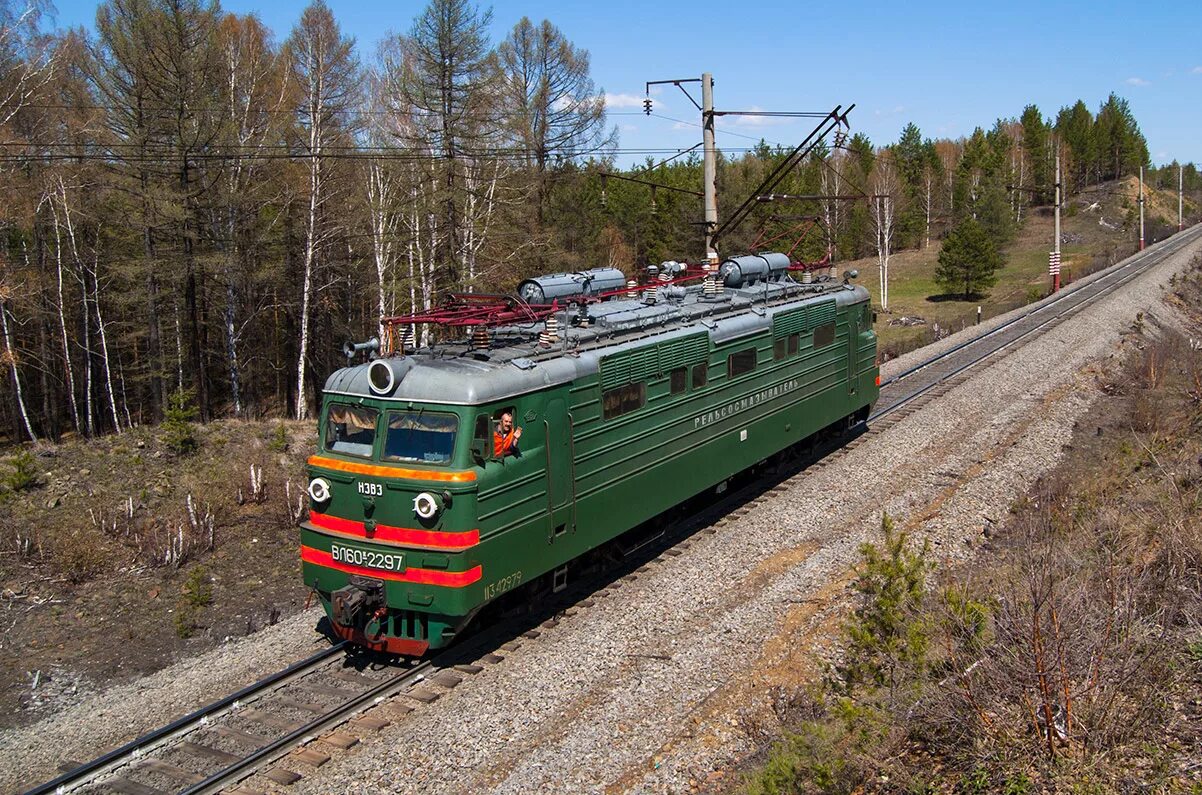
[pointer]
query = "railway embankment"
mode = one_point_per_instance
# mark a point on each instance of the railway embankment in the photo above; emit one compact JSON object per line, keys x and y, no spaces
{"x":675,"y":680}
{"x":684,"y":672}
{"x":1067,"y":654}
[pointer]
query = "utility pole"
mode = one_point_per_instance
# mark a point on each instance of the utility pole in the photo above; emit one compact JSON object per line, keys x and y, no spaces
{"x":710,"y":164}
{"x":710,"y":156}
{"x":1180,"y":196}
{"x":1141,"y":208}
{"x":1054,"y":264}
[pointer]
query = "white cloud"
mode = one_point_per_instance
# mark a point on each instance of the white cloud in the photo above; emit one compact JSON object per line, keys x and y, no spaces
{"x":758,"y":121}
{"x":894,"y":111}
{"x":1136,"y":81}
{"x":623,"y":101}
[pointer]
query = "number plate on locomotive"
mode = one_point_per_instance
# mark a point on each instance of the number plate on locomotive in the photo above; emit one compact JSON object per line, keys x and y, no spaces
{"x":368,"y":558}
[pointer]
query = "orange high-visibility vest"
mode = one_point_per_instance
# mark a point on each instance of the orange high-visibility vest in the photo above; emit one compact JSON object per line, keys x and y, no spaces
{"x":502,"y":444}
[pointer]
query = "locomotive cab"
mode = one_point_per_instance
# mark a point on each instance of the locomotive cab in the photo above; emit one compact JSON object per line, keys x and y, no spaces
{"x":391,"y":523}
{"x":393,"y":545}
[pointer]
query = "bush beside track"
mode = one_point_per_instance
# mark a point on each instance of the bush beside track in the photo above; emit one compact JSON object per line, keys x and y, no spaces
{"x":1068,"y":656}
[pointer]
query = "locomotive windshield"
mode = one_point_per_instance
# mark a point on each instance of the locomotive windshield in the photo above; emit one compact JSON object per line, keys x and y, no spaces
{"x":351,"y":430}
{"x":422,"y":436}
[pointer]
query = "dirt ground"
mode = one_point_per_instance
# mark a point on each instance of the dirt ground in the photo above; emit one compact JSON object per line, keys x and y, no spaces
{"x":107,"y":575}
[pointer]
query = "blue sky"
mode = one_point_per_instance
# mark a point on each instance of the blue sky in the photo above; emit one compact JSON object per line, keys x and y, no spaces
{"x":948,"y":67}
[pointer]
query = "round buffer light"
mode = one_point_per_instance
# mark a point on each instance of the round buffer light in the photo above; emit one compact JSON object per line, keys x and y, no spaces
{"x":380,"y":377}
{"x":427,"y":505}
{"x":319,"y":490}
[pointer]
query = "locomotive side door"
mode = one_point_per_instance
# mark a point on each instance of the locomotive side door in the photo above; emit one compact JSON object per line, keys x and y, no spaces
{"x":559,"y":463}
{"x":854,"y":313}
{"x":853,"y":348}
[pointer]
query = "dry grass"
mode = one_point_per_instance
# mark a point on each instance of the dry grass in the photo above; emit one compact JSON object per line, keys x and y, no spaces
{"x":1096,"y":237}
{"x":93,"y":549}
{"x":1068,"y":658}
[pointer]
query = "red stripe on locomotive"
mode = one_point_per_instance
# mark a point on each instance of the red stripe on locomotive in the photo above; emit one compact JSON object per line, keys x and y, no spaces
{"x":397,"y":535}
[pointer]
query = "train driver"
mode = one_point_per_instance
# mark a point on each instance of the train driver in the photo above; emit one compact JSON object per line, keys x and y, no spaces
{"x":505,"y":437}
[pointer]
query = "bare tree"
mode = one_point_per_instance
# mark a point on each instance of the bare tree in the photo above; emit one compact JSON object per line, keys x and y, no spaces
{"x":928,"y":199}
{"x":557,"y":111}
{"x":27,"y":64}
{"x":27,"y":58}
{"x":326,"y":74}
{"x":255,"y":99}
{"x":9,"y":356}
{"x":949,"y":154}
{"x":447,"y":79}
{"x":831,"y":182}
{"x":886,"y":190}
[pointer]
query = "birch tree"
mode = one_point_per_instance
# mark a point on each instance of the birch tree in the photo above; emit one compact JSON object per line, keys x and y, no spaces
{"x":326,"y":73}
{"x":27,"y":59}
{"x":417,"y":177}
{"x":930,"y":175}
{"x":831,"y":184}
{"x":886,"y":191}
{"x":9,"y":355}
{"x":27,"y":65}
{"x":256,"y":92}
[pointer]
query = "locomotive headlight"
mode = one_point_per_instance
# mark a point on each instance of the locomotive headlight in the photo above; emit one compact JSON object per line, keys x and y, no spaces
{"x":427,"y":505}
{"x":319,"y":490}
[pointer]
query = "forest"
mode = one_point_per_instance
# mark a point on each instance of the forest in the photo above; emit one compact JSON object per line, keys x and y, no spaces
{"x":199,"y":210}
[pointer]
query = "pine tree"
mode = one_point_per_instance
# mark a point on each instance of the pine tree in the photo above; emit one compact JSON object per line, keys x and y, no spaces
{"x":1037,"y":153}
{"x":969,"y":261}
{"x":1122,"y":147}
{"x":981,"y":179}
{"x":910,"y":153}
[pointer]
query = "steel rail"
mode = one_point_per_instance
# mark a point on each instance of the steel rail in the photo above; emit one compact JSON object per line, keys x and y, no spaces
{"x":136,"y":748}
{"x":1087,"y":293}
{"x":269,"y":753}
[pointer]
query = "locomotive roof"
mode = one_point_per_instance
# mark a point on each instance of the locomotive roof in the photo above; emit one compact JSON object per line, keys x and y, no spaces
{"x":515,"y":364}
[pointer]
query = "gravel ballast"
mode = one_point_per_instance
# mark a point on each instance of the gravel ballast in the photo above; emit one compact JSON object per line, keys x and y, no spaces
{"x":112,"y":717}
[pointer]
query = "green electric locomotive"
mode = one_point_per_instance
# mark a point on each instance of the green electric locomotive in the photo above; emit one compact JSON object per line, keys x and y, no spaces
{"x":450,"y":475}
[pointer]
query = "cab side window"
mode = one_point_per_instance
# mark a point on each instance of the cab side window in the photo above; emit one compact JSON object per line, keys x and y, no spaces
{"x":351,"y":430}
{"x":482,"y":443}
{"x":678,"y":380}
{"x":623,"y":400}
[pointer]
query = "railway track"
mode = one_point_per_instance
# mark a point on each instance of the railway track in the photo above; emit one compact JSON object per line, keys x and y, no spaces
{"x":937,"y":370}
{"x":222,"y":744}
